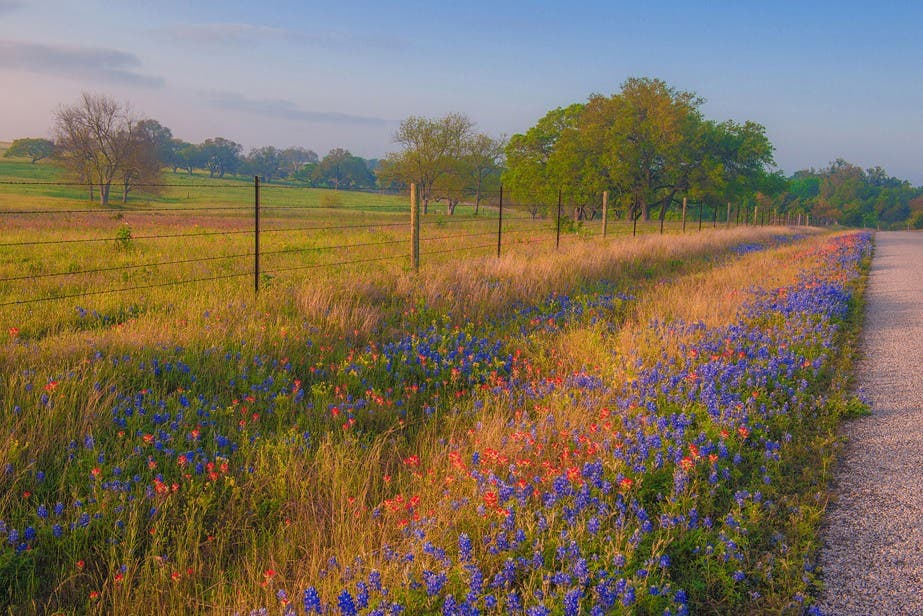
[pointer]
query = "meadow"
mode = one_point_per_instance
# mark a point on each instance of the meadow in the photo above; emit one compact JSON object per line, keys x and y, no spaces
{"x":624,"y":425}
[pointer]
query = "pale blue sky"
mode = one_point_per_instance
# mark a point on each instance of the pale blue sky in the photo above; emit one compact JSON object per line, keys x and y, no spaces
{"x":827,"y":79}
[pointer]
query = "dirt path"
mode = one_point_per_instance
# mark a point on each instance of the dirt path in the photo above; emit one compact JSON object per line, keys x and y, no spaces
{"x":872,"y":559}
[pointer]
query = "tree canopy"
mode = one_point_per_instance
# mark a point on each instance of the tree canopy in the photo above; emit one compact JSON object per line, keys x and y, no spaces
{"x":648,"y":145}
{"x":32,"y":148}
{"x":845,"y":193}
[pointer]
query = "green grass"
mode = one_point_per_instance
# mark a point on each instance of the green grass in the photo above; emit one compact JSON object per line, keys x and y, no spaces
{"x":262,"y":389}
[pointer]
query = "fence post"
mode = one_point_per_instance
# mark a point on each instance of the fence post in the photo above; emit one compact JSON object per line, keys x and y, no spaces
{"x":605,"y":212}
{"x":756,"y":210}
{"x":714,"y":217}
{"x":256,"y":234}
{"x":684,"y":214}
{"x":701,"y":207}
{"x":414,"y":228}
{"x":557,"y":241}
{"x":727,"y":223}
{"x":500,"y":223}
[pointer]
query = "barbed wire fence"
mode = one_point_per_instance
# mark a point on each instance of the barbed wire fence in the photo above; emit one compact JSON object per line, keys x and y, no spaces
{"x":502,"y":220}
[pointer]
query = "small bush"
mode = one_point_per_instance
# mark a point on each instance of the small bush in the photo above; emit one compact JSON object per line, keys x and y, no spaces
{"x":851,"y":407}
{"x":123,"y":238}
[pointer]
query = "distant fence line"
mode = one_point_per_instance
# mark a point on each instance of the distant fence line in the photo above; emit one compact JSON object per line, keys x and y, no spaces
{"x":500,"y":210}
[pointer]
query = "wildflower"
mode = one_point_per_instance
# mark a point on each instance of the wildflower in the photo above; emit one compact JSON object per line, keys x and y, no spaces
{"x":346,"y":604}
{"x":572,"y":602}
{"x":464,"y":547}
{"x":311,"y":601}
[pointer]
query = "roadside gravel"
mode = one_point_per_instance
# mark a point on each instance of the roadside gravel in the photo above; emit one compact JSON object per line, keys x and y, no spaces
{"x":872,"y":554}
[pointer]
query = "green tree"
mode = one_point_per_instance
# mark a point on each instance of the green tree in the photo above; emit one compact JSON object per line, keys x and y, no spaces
{"x":161,"y":138}
{"x":649,"y":148}
{"x":33,"y":148}
{"x":733,"y":163}
{"x":188,"y":156}
{"x":264,"y":162}
{"x":220,"y":156}
{"x":291,"y":160}
{"x":430,"y":149}
{"x":532,"y":174}
{"x":481,"y":164}
{"x":341,"y":169}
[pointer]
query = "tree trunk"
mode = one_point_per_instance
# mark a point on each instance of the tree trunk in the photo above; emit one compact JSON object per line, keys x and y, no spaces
{"x":477,"y":200}
{"x":104,"y":193}
{"x":663,"y":208}
{"x":125,"y":190}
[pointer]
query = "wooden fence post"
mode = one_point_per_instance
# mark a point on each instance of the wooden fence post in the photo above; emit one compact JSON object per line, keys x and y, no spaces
{"x":684,"y":214}
{"x":256,"y":234}
{"x":557,"y":241}
{"x":500,"y":222}
{"x":605,"y":212}
{"x":414,"y":228}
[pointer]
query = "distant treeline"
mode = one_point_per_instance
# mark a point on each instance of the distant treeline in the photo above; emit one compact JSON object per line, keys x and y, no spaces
{"x":648,"y":146}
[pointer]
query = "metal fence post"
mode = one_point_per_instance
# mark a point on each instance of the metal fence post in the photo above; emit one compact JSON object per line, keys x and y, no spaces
{"x":557,"y":242}
{"x":414,"y":228}
{"x":500,"y":223}
{"x":684,"y":214}
{"x":256,"y":234}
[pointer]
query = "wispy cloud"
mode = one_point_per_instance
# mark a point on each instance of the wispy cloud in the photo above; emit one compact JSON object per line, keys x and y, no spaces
{"x":107,"y":65}
{"x":286,"y":110}
{"x":243,"y":34}
{"x":8,"y":6}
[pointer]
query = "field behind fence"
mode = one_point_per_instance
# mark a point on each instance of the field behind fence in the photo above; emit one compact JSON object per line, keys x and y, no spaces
{"x":62,"y":255}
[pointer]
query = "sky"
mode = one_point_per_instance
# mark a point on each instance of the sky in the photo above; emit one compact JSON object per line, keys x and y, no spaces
{"x":827,"y":79}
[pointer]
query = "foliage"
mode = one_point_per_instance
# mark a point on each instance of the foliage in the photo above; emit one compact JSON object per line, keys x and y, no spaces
{"x":34,"y":149}
{"x":341,"y":169}
{"x":431,"y":149}
{"x":221,"y":156}
{"x":264,"y":162}
{"x":846,"y":194}
{"x":532,"y":173}
{"x":123,"y":238}
{"x":646,"y":145}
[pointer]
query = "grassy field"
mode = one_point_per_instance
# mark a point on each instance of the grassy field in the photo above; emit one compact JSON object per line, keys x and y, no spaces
{"x":628,"y":425}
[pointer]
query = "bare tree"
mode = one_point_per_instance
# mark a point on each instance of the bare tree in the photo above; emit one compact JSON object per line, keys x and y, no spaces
{"x":96,"y":139}
{"x":141,"y":165}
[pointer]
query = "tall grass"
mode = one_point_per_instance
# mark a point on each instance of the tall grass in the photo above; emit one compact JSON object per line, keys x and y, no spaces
{"x":213,"y":451}
{"x":269,"y":513}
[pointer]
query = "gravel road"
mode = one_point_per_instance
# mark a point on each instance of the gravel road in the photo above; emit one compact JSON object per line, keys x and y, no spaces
{"x":872,"y":554}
